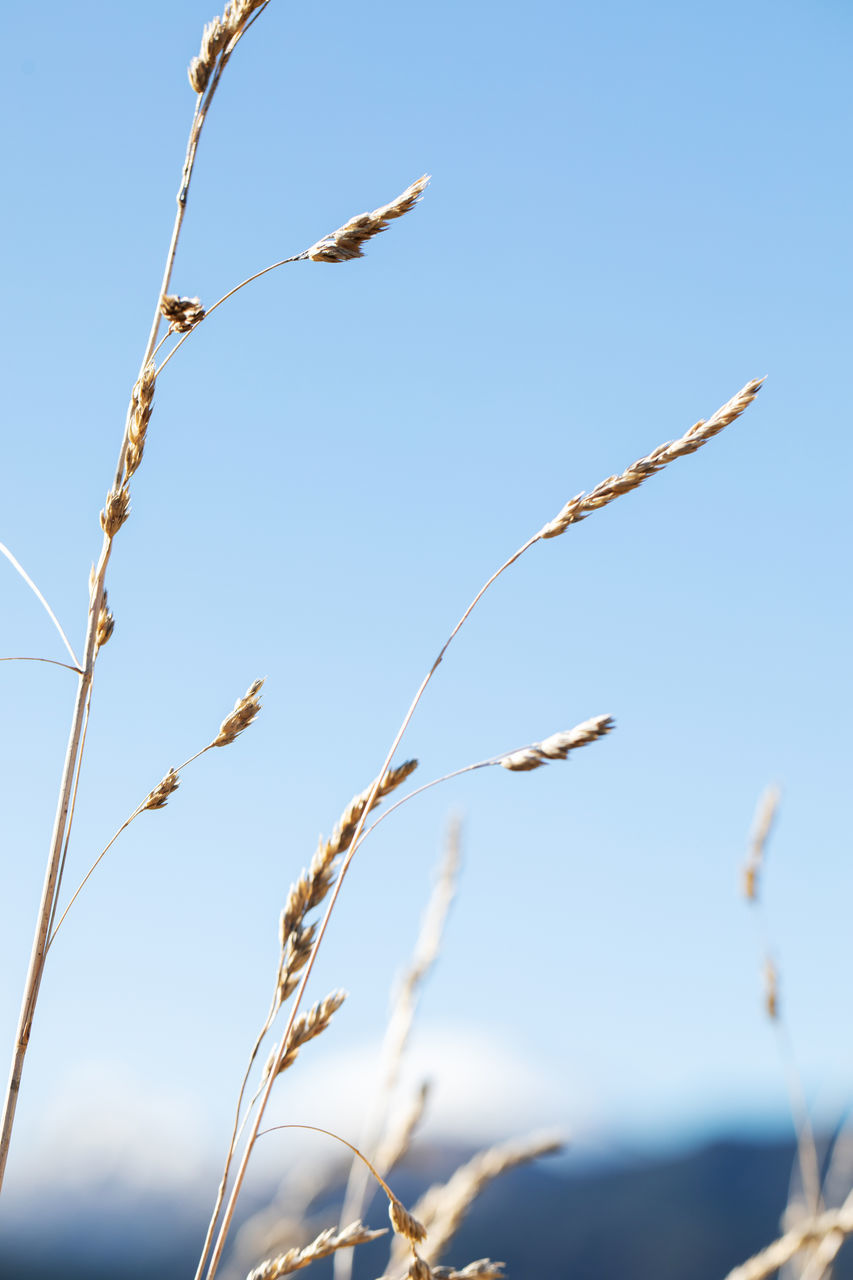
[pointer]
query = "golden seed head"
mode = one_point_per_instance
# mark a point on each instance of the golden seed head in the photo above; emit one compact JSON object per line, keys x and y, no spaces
{"x":419,"y":1270}
{"x":183,"y":314}
{"x":141,"y":406}
{"x":345,"y":243}
{"x":216,"y":36}
{"x":245,"y":711}
{"x":157,"y":798}
{"x":583,"y":504}
{"x":403,"y":1222}
{"x":558,"y":746}
{"x":116,"y":510}
{"x":308,"y":1025}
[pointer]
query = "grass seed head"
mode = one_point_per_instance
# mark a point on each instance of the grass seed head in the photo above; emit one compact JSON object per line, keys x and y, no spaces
{"x":157,"y":798}
{"x":558,"y":746}
{"x":183,"y":314}
{"x":116,"y":510}
{"x":404,"y":1223}
{"x":106,"y":623}
{"x":346,"y":243}
{"x":245,"y":711}
{"x":583,"y":504}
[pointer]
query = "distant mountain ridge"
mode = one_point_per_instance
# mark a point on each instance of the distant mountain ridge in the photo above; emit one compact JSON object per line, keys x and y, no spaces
{"x":690,"y":1216}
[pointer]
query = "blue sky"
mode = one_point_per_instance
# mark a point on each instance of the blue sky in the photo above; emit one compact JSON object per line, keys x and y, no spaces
{"x":634,"y":210}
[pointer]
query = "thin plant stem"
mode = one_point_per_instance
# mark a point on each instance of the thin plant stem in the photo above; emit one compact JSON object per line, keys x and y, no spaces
{"x":140,"y":808}
{"x":70,"y":818}
{"x":4,"y":550}
{"x":236,"y":1131}
{"x":53,"y":662}
{"x":298,"y":257}
{"x":315,"y":1128}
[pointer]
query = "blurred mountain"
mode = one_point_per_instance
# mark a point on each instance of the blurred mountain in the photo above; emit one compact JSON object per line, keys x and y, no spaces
{"x":692,"y":1215}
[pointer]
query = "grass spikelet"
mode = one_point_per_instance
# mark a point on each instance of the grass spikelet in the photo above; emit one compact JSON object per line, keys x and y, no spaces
{"x":578,"y":508}
{"x":558,"y":746}
{"x":245,"y":711}
{"x":116,"y":510}
{"x":345,"y":244}
{"x":141,"y":405}
{"x":217,"y":35}
{"x":183,"y":314}
{"x":158,"y":798}
{"x":106,"y":624}
{"x":308,"y":1025}
{"x":404,"y":1223}
{"x":325,"y":1244}
{"x":762,"y":825}
{"x":313,"y":885}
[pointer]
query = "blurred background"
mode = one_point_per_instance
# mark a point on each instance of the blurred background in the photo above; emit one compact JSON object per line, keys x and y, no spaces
{"x":633,"y":211}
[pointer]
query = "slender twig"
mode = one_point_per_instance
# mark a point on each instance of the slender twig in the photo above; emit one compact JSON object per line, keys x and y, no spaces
{"x":4,"y":550}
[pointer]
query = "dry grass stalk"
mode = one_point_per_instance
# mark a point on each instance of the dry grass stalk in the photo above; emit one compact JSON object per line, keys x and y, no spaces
{"x":239,"y":14}
{"x":139,"y":415}
{"x":325,"y":1244}
{"x":183,"y":314}
{"x":313,"y":885}
{"x":762,"y":825}
{"x":245,"y":711}
{"x":305,"y":1028}
{"x":297,"y":942}
{"x":442,"y":1208}
{"x":578,"y":508}
{"x":345,"y":243}
{"x":835,"y":1222}
{"x":558,"y":746}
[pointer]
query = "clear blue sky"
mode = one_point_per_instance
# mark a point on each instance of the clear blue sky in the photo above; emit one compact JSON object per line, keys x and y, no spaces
{"x":634,"y":210}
